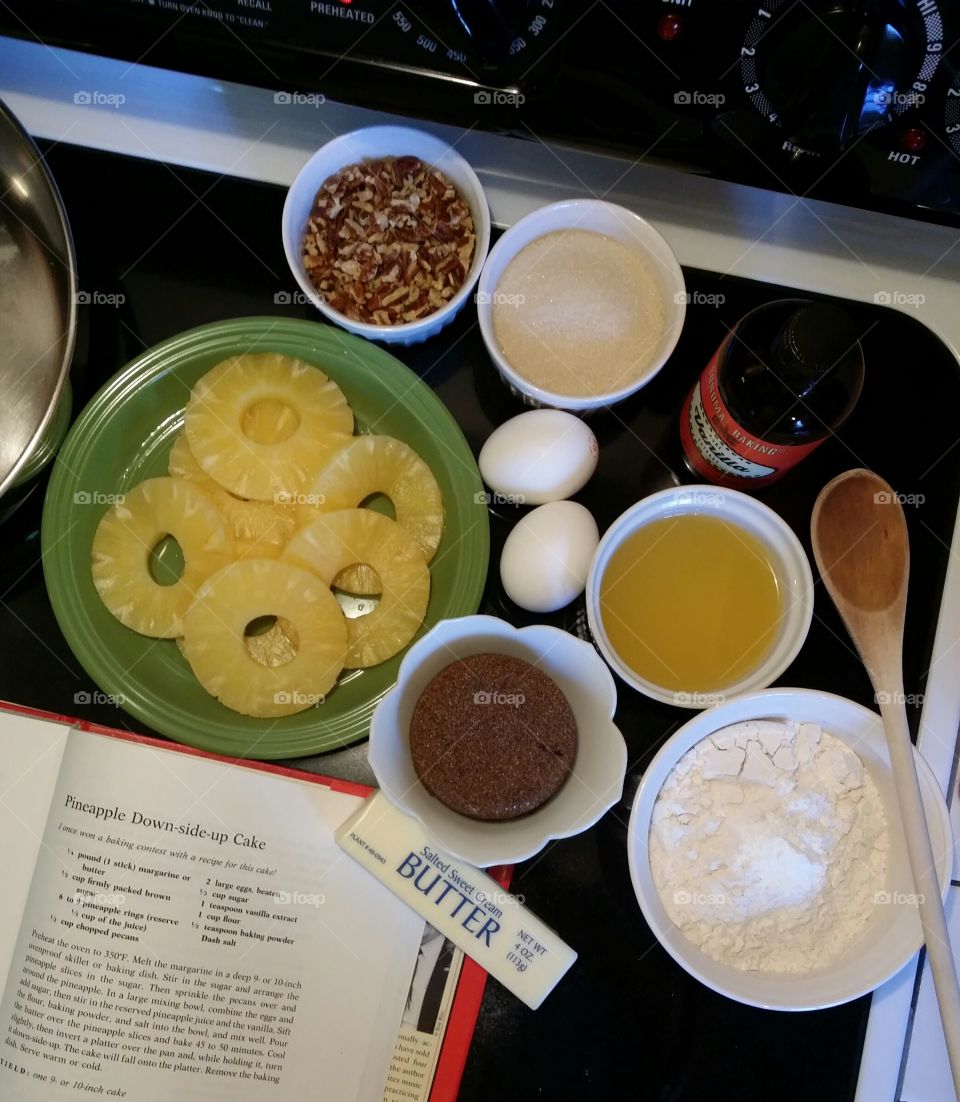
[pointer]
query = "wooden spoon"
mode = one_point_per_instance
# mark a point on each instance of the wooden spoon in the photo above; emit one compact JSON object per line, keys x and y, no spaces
{"x":862,"y":550}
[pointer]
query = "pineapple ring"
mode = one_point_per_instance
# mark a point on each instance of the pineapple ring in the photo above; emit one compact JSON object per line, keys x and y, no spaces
{"x":214,"y":642}
{"x":380,"y":464}
{"x":128,"y":533}
{"x":225,"y":416}
{"x":337,"y":540}
{"x":274,"y":647}
{"x":359,"y":580}
{"x":258,"y":549}
{"x":260,"y":528}
{"x":368,"y":465}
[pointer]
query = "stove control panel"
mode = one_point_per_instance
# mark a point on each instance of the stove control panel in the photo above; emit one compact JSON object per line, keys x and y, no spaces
{"x":857,"y":101}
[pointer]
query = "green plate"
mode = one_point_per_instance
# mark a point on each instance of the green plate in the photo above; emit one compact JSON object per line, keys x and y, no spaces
{"x":124,"y":436}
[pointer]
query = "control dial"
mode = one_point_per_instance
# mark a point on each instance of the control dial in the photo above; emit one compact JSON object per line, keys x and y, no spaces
{"x":500,"y":31}
{"x":827,"y":73}
{"x":951,"y":114}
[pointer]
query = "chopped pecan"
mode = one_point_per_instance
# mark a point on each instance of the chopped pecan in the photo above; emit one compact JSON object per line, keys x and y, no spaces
{"x":388,"y":241}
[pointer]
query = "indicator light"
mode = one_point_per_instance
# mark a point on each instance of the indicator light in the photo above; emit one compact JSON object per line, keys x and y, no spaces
{"x":913,"y":140}
{"x":669,"y":27}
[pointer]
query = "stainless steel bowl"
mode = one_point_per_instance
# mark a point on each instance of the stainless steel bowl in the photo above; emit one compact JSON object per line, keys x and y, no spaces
{"x":38,"y":286}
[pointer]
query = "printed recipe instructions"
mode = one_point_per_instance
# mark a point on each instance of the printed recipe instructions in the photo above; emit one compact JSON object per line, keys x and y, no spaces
{"x":192,"y":928}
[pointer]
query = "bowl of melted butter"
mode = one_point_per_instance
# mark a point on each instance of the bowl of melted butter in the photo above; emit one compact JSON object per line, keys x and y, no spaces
{"x":699,"y":593}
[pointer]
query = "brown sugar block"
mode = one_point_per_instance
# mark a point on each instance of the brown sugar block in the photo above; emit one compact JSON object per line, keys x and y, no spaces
{"x":492,"y":737}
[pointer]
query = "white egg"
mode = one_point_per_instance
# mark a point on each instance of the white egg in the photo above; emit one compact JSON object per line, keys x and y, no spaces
{"x":538,"y":456}
{"x":546,"y":558}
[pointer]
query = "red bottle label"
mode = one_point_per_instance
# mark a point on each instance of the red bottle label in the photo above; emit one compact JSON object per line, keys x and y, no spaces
{"x":719,"y":450}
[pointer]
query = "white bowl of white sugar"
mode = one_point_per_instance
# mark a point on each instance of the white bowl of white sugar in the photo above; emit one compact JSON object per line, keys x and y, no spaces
{"x":580,"y":304}
{"x":766,"y":852}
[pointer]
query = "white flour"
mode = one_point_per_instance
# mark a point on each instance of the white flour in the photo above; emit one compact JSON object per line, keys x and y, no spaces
{"x":768,"y":843}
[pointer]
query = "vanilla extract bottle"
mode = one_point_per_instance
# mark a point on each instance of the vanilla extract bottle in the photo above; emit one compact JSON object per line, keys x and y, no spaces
{"x":785,"y":377}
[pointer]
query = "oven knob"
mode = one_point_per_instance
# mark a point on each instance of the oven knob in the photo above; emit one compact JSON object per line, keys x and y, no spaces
{"x":500,"y":30}
{"x":827,"y":73}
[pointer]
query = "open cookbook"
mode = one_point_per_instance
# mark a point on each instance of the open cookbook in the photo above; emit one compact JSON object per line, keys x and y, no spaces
{"x":175,"y":923}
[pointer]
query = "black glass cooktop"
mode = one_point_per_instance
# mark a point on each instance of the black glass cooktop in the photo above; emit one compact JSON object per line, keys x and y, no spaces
{"x":162,"y":249}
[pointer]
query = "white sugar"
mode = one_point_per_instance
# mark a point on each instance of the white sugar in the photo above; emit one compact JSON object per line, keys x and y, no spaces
{"x":577,"y":312}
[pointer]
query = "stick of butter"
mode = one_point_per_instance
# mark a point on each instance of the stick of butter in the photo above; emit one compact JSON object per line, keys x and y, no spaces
{"x":462,"y":902}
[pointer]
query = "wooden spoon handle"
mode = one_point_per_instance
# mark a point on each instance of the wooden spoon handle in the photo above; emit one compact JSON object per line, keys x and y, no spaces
{"x":930,"y":902}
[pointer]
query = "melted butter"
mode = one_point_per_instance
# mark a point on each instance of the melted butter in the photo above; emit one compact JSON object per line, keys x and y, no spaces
{"x":691,"y":603}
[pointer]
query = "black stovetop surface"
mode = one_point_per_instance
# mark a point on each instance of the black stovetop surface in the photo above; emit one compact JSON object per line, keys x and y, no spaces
{"x":185,"y":248}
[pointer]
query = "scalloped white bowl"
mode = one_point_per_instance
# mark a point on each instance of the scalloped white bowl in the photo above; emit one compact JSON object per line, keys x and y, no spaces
{"x":595,"y":784}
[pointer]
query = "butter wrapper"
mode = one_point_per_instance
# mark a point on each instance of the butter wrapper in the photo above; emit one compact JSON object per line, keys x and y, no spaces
{"x":467,"y":906}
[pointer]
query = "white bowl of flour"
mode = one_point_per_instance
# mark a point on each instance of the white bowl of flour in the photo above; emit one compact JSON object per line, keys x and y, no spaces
{"x":767,"y":855}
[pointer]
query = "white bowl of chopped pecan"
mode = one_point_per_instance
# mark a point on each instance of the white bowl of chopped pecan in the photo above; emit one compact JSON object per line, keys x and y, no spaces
{"x":386,"y":230}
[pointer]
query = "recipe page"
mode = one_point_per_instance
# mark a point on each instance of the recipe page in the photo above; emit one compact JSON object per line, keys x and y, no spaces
{"x":193,"y":929}
{"x":30,"y":754}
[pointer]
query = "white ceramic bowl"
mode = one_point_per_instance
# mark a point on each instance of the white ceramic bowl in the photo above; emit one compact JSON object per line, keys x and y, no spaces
{"x":616,"y":222}
{"x":595,"y":784}
{"x":360,"y":145}
{"x":787,"y":557}
{"x":893,"y":935}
